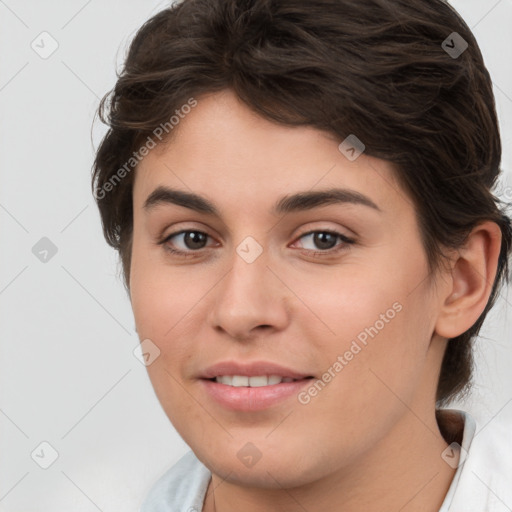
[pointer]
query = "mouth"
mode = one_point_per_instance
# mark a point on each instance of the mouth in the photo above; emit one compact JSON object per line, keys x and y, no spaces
{"x":247,"y":386}
{"x":255,"y":381}
{"x":244,"y":394}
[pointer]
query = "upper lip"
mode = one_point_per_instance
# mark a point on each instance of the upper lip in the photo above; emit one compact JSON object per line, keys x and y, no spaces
{"x":251,"y":369}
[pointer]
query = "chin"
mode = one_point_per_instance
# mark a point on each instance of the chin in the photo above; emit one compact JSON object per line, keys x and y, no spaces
{"x":274,"y":470}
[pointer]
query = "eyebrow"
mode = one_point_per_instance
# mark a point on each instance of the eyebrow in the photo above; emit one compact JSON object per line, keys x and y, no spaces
{"x":300,"y":201}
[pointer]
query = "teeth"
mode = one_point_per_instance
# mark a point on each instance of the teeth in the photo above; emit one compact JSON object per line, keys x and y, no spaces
{"x":274,"y":379}
{"x":253,"y":382}
{"x":239,"y":381}
{"x":256,"y":382}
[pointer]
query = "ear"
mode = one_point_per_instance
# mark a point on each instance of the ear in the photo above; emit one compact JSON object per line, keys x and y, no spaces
{"x":471,"y":280}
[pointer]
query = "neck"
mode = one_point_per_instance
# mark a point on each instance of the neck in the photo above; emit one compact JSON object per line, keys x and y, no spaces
{"x":403,"y":471}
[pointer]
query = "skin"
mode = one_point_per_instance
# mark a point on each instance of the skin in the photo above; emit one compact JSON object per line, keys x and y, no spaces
{"x":369,"y":440}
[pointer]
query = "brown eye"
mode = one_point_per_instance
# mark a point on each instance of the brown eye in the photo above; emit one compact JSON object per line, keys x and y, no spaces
{"x":187,"y":241}
{"x":194,"y":239}
{"x":325,"y":241}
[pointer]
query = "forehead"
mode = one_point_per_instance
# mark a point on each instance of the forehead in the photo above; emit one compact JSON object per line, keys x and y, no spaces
{"x":223,"y":150}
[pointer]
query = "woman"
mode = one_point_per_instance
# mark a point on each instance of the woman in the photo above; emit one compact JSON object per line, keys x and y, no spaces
{"x":301,"y":196}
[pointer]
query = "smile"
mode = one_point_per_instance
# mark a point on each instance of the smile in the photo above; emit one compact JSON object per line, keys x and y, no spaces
{"x":253,"y":381}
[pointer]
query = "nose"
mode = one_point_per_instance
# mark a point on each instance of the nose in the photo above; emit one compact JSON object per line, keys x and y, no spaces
{"x":250,"y":298}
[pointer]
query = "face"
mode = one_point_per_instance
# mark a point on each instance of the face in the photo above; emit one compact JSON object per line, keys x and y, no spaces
{"x":333,"y":292}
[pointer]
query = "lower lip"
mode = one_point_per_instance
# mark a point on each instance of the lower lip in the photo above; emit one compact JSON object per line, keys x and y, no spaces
{"x":252,"y":399}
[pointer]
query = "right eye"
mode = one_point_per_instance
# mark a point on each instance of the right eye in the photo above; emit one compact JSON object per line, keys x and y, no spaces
{"x":191,"y":241}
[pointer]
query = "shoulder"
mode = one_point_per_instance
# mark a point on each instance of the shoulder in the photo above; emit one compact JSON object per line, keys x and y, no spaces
{"x":182,"y":487}
{"x":485,"y":473}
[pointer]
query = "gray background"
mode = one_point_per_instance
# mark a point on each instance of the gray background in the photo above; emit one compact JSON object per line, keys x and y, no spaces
{"x":68,"y":374}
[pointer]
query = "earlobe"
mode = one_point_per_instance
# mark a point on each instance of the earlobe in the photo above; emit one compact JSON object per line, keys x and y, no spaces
{"x":471,"y":281}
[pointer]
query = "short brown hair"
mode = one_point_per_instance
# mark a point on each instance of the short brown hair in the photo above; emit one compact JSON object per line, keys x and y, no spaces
{"x":376,"y":69}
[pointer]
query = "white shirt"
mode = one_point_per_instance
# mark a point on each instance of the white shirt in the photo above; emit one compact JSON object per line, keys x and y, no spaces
{"x":482,"y":481}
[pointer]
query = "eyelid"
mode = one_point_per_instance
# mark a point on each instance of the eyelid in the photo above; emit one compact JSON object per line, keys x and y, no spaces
{"x":173,"y":234}
{"x":185,"y":229}
{"x":346,"y":241}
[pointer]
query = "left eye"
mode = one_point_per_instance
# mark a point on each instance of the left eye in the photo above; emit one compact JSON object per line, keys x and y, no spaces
{"x":325,"y":240}
{"x":193,"y":241}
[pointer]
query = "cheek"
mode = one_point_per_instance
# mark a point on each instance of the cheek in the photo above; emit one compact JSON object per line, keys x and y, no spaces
{"x":376,"y":336}
{"x":160,"y":295}
{"x":170,"y":309}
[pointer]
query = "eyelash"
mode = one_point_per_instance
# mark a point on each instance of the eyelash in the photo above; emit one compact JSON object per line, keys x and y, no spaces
{"x":327,"y":252}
